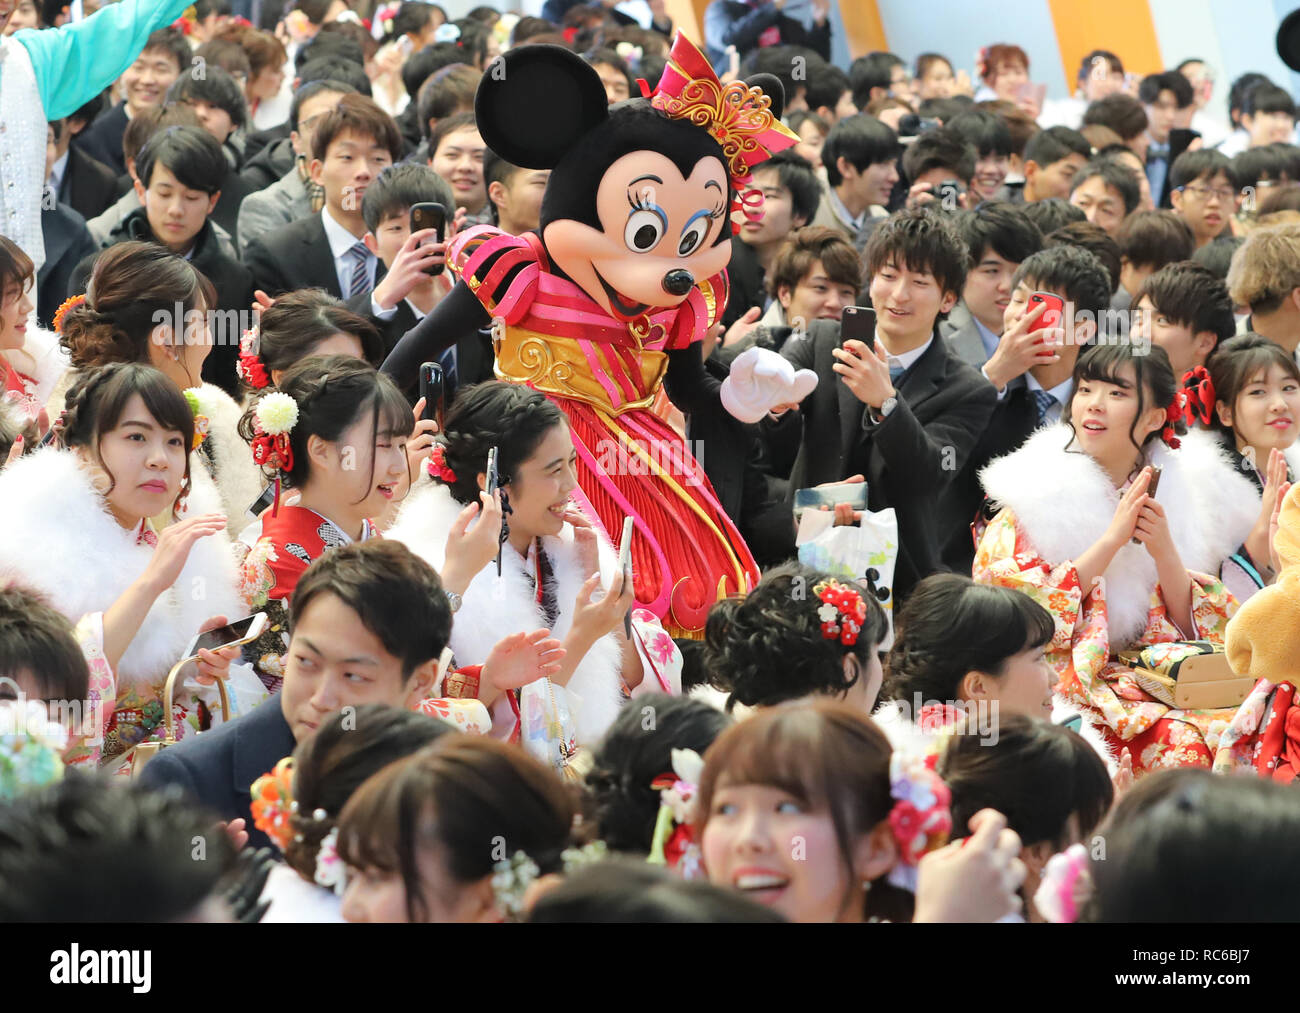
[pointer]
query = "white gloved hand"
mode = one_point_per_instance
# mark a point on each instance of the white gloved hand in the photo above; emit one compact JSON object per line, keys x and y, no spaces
{"x":760,"y":380}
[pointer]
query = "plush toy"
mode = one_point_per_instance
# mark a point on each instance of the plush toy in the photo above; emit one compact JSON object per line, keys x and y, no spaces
{"x":611,"y":298}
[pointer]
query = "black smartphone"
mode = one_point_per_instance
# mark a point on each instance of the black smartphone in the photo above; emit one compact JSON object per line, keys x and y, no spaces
{"x":432,"y":390}
{"x":429,"y":215}
{"x":858,"y":323}
{"x":493,"y":479}
{"x":948,"y":194}
{"x":1152,"y":486}
{"x":263,"y":502}
{"x":232,"y":634}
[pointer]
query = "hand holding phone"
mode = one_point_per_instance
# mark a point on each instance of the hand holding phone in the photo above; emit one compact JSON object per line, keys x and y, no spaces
{"x":491,"y":483}
{"x":430,"y":215}
{"x":1152,"y":486}
{"x":432,"y":392}
{"x":625,"y":567}
{"x":1052,"y":316}
{"x":236,"y":634}
{"x":858,"y":323}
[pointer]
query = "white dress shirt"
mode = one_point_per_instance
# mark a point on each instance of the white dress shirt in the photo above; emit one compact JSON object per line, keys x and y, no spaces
{"x":57,"y":171}
{"x":1061,"y":392}
{"x":341,"y":242}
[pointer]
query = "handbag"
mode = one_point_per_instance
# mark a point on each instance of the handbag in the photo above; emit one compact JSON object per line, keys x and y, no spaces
{"x":546,"y":728}
{"x":143,"y":752}
{"x":866,"y":553}
{"x":1188,"y":675}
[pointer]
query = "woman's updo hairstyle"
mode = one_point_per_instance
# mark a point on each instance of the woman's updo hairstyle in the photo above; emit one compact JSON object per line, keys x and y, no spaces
{"x":291,"y":328}
{"x":509,"y":416}
{"x":134,"y":287}
{"x":332,"y":392}
{"x":768,"y":647}
{"x":1152,"y":373}
{"x":338,"y":759}
{"x":98,"y":397}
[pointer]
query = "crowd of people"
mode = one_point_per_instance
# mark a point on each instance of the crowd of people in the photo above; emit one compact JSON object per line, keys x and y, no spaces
{"x":355,"y":320}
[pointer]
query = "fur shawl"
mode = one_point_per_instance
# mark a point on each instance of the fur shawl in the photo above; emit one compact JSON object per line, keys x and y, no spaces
{"x":51,"y":363}
{"x":494,"y":607}
{"x":58,"y":538}
{"x":1064,"y":501}
{"x":238,"y":480}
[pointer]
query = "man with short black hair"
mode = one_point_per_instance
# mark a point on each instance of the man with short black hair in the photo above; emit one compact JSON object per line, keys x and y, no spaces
{"x":1185,"y":310}
{"x":1052,"y":157}
{"x":1268,"y":115}
{"x":828,"y":92}
{"x":1203,"y":184}
{"x":1123,"y":114}
{"x":878,"y":75}
{"x":860,"y":155}
{"x":989,"y":137}
{"x":1148,"y":240}
{"x":514,"y":194}
{"x":1106,"y":192}
{"x":1163,"y":96}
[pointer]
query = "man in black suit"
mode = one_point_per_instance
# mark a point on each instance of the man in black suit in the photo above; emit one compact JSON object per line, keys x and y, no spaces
{"x":67,"y":243}
{"x":902,"y":411}
{"x":82,"y":183}
{"x":353,"y":144}
{"x":1164,"y":96}
{"x":1032,"y":372}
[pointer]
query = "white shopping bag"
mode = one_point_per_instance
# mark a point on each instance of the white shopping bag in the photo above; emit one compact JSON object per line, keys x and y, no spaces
{"x":849,"y":552}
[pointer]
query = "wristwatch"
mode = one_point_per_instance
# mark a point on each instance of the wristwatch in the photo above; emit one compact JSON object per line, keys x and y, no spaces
{"x":888,"y":405}
{"x":454,"y":599}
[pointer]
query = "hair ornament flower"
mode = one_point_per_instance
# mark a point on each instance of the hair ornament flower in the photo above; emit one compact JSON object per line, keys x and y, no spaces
{"x":1198,"y":396}
{"x":66,"y":307}
{"x":273,"y":419}
{"x":674,"y":844}
{"x":331,"y":873}
{"x":1064,"y":884}
{"x":202,"y":425}
{"x":842,"y":611}
{"x":437,"y":465}
{"x":513,"y":876}
{"x":31,"y":746}
{"x":920,"y":819}
{"x":249,"y":366}
{"x":273,"y":803}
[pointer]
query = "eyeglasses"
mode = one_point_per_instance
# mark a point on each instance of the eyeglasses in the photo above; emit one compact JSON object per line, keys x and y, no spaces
{"x":1204,"y":193}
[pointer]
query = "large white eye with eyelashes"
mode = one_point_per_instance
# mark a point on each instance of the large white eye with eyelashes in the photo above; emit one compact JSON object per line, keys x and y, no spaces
{"x":643,"y":231}
{"x":693,"y":236}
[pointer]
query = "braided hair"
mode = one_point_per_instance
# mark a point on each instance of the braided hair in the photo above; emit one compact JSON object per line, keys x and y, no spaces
{"x":768,"y":647}
{"x":97,"y":399}
{"x":513,"y":418}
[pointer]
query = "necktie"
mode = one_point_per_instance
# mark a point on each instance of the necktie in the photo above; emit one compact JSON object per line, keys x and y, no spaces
{"x":1157,"y":153}
{"x":360,"y":276}
{"x":1043,"y":401}
{"x":895,"y":372}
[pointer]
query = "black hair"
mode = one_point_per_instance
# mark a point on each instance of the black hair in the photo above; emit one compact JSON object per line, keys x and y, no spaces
{"x":1182,"y":67}
{"x":1191,"y":296}
{"x":141,"y":843}
{"x":636,"y":749}
{"x":1233,"y":365}
{"x":622,"y":892}
{"x":307,"y":89}
{"x":1239,"y":89}
{"x":171,"y":42}
{"x":397,"y":596}
{"x":1055,"y":144}
{"x":337,"y":71}
{"x":1122,"y":113}
{"x":98,"y":397}
{"x":1267,"y":97}
{"x":411,"y":19}
{"x":191,"y":154}
{"x":214,"y":86}
{"x":450,"y":125}
{"x":316,"y":10}
{"x":942,"y":148}
{"x":398,"y":187}
{"x":420,"y":66}
{"x":1097,"y":243}
{"x":335,"y":47}
{"x":1036,"y":774}
{"x":299,"y":321}
{"x":1118,"y":177}
{"x":444,"y":92}
{"x":984,"y":131}
{"x":875,"y":70}
{"x":768,"y":647}
{"x":926,"y":60}
{"x":38,"y":639}
{"x":1049,"y":215}
{"x":1154,"y":382}
{"x":1216,"y":256}
{"x":1203,"y":162}
{"x":1113,"y":63}
{"x":1171,"y":80}
{"x":944,"y":109}
{"x":1178,"y":827}
{"x":1266,"y":162}
{"x":780,"y":62}
{"x":826,"y":86}
{"x":951,"y":625}
{"x":332,"y":393}
{"x":1001,"y":227}
{"x":513,"y":418}
{"x":919,"y":239}
{"x":1153,"y":239}
{"x":609,"y":58}
{"x":795,"y":173}
{"x":348,"y":747}
{"x":862,"y":141}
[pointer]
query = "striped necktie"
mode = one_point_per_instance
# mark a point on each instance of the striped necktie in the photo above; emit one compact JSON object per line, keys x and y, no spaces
{"x":360,"y":275}
{"x":1043,"y":401}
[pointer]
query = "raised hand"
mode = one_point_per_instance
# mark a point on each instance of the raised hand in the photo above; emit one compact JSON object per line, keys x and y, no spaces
{"x":173,"y":549}
{"x":409,"y":268}
{"x":472,"y":544}
{"x":214,"y":665}
{"x":522,"y":658}
{"x":865,"y":371}
{"x":1020,"y":348}
{"x":974,"y":880}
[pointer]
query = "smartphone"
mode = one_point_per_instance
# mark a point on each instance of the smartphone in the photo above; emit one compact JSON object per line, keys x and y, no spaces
{"x":429,"y":215}
{"x":431,"y":389}
{"x":262,"y":503}
{"x":231,"y":635}
{"x":493,"y":481}
{"x":853,"y":493}
{"x":1052,"y":316}
{"x":858,"y":323}
{"x":625,"y":565}
{"x":1152,"y":486}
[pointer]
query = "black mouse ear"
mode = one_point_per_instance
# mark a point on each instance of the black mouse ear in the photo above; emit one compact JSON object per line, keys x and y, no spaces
{"x":771,"y":86}
{"x":535,"y":102}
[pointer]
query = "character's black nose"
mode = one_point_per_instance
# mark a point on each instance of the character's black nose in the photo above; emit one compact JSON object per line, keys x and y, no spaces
{"x":678,"y":282}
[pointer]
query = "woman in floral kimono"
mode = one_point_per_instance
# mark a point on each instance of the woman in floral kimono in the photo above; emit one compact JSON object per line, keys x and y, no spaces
{"x":553,"y":564}
{"x":1118,"y":568}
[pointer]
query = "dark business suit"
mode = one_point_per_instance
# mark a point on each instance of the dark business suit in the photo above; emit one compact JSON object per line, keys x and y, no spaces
{"x":88,"y":186}
{"x":102,"y":140}
{"x":217,"y":767}
{"x":296,"y":256}
{"x":1179,"y":141}
{"x":745,"y":276}
{"x":67,"y":243}
{"x":908,"y":458}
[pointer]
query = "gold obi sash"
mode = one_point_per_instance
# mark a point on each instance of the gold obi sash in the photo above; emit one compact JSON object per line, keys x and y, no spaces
{"x":561,"y":366}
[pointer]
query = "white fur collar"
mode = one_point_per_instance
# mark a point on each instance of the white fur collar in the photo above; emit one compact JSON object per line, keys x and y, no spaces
{"x":1064,"y":502}
{"x":50,"y":359}
{"x":238,"y":479}
{"x":496,"y":606}
{"x":57,"y":537}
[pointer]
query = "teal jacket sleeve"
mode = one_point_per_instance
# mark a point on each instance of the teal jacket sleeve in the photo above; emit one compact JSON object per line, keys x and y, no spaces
{"x":75,"y":63}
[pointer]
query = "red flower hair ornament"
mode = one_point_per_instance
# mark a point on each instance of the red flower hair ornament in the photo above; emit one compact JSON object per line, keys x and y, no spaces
{"x":842,"y":611}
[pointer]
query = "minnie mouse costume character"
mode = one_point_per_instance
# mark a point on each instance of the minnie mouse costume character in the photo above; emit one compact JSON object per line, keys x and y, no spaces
{"x":611,"y":298}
